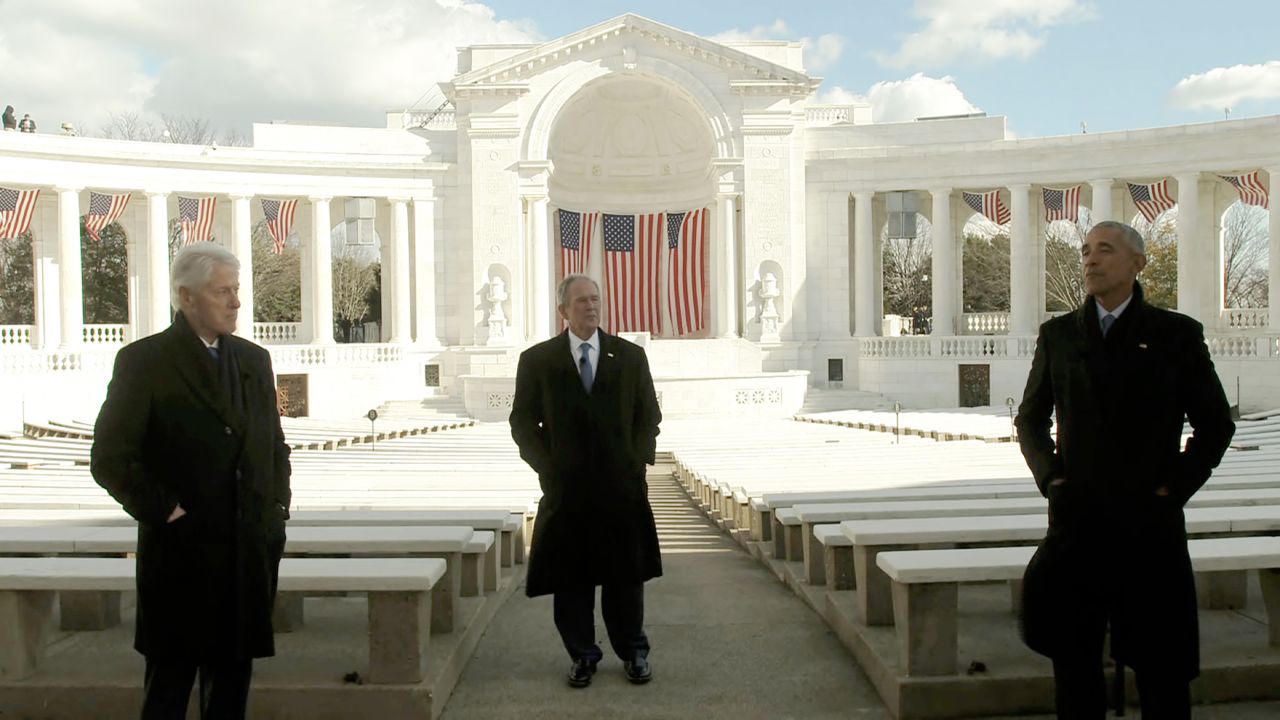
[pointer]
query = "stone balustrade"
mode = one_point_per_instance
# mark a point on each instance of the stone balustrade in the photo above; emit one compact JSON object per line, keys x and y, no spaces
{"x":1233,"y":319}
{"x":15,"y":335}
{"x":987,"y":323}
{"x":276,"y":333}
{"x":105,"y":334}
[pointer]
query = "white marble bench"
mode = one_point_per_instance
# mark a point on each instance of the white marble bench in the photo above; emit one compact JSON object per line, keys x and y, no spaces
{"x":926,"y":588}
{"x":95,"y":611}
{"x":399,"y":607}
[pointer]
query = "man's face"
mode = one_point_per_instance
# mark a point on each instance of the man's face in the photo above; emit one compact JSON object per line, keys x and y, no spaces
{"x":582,"y":308}
{"x":211,"y":310}
{"x":1110,"y":264}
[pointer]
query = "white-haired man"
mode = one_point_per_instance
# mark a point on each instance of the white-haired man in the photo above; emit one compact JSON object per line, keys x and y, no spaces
{"x":189,"y":442}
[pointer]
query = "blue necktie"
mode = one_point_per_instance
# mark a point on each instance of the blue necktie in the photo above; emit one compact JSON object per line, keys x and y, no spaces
{"x":584,"y":367}
{"x":1107,"y":321}
{"x":213,"y":352}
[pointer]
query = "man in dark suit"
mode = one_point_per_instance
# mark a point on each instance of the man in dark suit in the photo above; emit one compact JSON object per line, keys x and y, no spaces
{"x":189,"y":442}
{"x":585,"y":416}
{"x":1121,"y":376}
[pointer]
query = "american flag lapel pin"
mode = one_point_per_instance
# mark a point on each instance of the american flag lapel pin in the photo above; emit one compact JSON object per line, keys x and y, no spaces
{"x":1142,"y":346}
{"x":609,"y":354}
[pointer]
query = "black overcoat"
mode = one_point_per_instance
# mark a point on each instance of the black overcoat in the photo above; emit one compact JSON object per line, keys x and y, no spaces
{"x":178,"y":427}
{"x":594,"y":524}
{"x":1114,"y":547}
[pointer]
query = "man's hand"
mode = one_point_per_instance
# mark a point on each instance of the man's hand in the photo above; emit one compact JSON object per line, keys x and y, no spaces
{"x":177,"y":513}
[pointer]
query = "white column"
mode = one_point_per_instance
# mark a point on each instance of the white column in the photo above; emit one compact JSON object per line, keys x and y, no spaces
{"x":400,"y":298}
{"x":727,"y":298}
{"x":1273,"y":231}
{"x":1190,"y":292}
{"x":321,"y":270}
{"x":242,"y":248}
{"x":864,"y":264}
{"x":1023,"y":264}
{"x":540,"y":303}
{"x":944,"y":264}
{"x":424,"y":271}
{"x":158,"y":307}
{"x":1101,"y":209}
{"x":70,"y":280}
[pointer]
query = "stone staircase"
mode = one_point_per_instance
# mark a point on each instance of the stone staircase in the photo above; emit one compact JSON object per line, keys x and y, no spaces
{"x":818,"y":400}
{"x":432,"y":407}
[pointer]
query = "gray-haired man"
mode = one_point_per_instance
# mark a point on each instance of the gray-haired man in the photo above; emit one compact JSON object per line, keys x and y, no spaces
{"x":189,"y":442}
{"x":1121,"y":376}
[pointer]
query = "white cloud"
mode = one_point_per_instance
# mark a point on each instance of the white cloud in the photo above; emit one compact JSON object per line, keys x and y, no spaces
{"x":989,"y":30}
{"x":1227,"y":86}
{"x":236,"y":61}
{"x":901,"y":100}
{"x":820,"y":53}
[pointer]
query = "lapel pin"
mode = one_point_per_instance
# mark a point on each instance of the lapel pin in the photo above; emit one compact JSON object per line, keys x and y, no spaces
{"x":1142,"y":346}
{"x":609,"y":354}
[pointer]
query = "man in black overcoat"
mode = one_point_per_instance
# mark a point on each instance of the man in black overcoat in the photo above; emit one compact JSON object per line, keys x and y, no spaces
{"x":586,"y":417}
{"x":1121,"y":376}
{"x":189,"y":442}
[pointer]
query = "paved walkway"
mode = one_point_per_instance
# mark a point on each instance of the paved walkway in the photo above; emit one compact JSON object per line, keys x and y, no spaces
{"x":729,"y":641}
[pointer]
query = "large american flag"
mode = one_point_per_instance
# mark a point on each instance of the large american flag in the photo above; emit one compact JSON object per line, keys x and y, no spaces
{"x":196,"y":216}
{"x":1250,"y":187}
{"x":279,"y":217}
{"x":576,"y":232}
{"x":1152,"y":199}
{"x":16,"y":207}
{"x":631,"y":266}
{"x":989,"y":204}
{"x":687,"y":270}
{"x":1061,"y":204}
{"x":104,"y":209}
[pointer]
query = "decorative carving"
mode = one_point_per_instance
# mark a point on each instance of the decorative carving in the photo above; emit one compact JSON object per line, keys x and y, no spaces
{"x":494,"y":297}
{"x":501,"y":400}
{"x":768,"y":293}
{"x":758,"y":396}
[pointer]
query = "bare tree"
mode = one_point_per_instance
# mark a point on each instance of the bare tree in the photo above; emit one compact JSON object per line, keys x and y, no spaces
{"x":182,"y":129}
{"x":1245,"y":256}
{"x":1063,"y":267}
{"x":353,"y":278}
{"x":908,"y":263}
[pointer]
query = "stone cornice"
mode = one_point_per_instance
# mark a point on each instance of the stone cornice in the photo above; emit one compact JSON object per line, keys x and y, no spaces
{"x":556,"y":52}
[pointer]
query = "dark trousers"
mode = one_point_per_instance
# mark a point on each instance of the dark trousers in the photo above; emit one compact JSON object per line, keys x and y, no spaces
{"x":1080,"y":691}
{"x":623,"y":609}
{"x":224,"y":688}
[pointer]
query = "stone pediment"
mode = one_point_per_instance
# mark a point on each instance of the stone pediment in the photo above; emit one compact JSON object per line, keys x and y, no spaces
{"x":748,"y":73}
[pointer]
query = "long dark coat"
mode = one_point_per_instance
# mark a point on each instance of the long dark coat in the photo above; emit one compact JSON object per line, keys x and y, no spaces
{"x":178,"y":427}
{"x":594,"y":524}
{"x":1114,"y":547}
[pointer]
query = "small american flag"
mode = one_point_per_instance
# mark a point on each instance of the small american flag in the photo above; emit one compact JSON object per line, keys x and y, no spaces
{"x":631,"y":265}
{"x":1250,"y":187}
{"x":1061,"y":204}
{"x":687,"y":270}
{"x":576,"y":232}
{"x":16,"y":207}
{"x":989,"y":204}
{"x":279,"y":217}
{"x":1152,"y":199}
{"x":103,"y":210}
{"x":196,"y":216}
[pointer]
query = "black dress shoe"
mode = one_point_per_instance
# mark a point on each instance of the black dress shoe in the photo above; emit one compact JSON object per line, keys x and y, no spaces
{"x":638,"y":670}
{"x":581,"y":672}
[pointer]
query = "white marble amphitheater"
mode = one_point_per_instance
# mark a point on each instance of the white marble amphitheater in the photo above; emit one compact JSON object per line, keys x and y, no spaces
{"x":901,"y":551}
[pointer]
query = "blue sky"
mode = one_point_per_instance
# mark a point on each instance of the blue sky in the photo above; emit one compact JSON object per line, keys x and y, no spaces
{"x":1045,"y":64}
{"x":1112,"y":64}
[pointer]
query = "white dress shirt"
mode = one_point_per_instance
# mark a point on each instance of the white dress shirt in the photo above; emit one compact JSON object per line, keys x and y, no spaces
{"x":593,"y":356}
